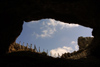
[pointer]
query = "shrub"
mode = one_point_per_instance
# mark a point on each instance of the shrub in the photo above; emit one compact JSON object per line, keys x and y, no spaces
{"x":44,"y":53}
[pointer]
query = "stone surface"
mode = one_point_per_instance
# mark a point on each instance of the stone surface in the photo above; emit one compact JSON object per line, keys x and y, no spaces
{"x":84,"y":42}
{"x":14,"y":12}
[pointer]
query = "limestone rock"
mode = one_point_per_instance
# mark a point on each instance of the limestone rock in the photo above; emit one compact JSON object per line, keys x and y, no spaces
{"x":84,"y":42}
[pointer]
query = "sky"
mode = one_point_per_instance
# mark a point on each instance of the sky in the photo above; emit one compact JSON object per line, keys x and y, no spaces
{"x":52,"y":35}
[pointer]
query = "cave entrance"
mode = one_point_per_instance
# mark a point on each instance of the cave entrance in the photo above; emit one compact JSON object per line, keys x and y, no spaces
{"x":54,"y":36}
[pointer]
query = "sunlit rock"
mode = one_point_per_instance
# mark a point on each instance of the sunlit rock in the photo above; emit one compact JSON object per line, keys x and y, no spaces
{"x":84,"y":42}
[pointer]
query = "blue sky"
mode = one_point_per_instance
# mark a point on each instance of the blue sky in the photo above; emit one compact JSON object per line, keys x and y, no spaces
{"x":54,"y":36}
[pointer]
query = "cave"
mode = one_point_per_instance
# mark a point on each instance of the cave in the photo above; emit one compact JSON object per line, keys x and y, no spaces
{"x":14,"y":12}
{"x":54,"y":36}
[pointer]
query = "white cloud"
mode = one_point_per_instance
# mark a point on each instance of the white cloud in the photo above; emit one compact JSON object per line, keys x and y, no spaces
{"x":52,"y":22}
{"x":49,"y":26}
{"x":73,"y":42}
{"x":61,"y":51}
{"x":61,"y":24}
{"x":92,"y":36}
{"x":46,"y":33}
{"x":76,"y":47}
{"x":66,"y":25}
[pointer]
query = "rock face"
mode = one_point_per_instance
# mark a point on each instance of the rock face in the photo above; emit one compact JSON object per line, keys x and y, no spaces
{"x":84,"y":42}
{"x":14,"y":12}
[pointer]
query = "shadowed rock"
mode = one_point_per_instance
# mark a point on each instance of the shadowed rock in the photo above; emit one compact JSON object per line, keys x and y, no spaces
{"x":84,"y":42}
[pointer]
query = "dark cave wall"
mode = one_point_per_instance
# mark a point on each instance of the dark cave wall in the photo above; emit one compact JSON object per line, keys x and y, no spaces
{"x":14,"y":12}
{"x":71,"y":11}
{"x":95,"y":45}
{"x":8,"y":35}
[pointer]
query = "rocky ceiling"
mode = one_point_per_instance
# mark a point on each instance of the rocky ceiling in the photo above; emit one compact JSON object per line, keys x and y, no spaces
{"x":14,"y":12}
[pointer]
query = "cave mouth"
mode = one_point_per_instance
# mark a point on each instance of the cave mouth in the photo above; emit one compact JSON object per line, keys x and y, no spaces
{"x":53,"y":36}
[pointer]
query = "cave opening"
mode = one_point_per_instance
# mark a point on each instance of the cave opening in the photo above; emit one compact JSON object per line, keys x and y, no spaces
{"x":53,"y":36}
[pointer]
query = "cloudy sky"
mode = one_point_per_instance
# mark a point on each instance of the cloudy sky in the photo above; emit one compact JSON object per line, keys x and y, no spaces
{"x":54,"y":36}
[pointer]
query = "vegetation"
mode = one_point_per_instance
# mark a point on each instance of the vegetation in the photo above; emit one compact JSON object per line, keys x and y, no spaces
{"x":25,"y":56}
{"x":75,"y":55}
{"x":15,"y":47}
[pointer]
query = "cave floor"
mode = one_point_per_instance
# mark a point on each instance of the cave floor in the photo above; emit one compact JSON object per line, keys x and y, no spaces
{"x":27,"y":59}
